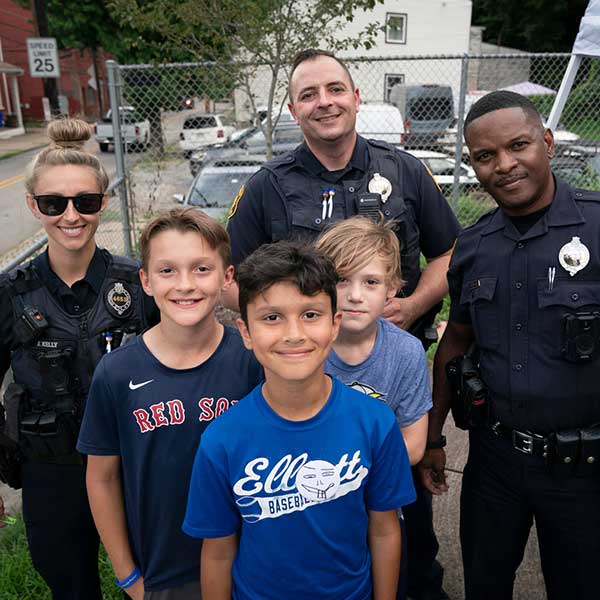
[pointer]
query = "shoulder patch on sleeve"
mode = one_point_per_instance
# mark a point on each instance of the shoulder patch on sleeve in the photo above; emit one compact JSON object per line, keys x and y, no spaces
{"x":432,"y":177}
{"x":235,"y":203}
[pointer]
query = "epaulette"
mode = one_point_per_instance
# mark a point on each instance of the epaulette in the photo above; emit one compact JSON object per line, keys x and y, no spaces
{"x":23,"y":279}
{"x":586,"y":195}
{"x":284,"y":159}
{"x":122,"y":267}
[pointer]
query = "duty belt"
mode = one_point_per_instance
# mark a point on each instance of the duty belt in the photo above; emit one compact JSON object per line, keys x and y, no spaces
{"x":523,"y":441}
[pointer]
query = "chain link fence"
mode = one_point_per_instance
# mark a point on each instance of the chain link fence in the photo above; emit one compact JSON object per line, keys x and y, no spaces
{"x":195,"y":132}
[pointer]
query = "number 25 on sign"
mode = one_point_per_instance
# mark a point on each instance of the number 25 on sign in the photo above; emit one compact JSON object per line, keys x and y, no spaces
{"x":43,"y":57}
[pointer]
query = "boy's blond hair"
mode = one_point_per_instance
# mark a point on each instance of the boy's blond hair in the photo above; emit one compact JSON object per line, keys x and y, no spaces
{"x":353,"y":243}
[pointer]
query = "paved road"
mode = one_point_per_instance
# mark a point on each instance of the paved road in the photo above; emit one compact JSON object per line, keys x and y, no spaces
{"x":17,"y":224}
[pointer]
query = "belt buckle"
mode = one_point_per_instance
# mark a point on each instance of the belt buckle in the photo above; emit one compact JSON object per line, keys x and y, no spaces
{"x":523,"y":442}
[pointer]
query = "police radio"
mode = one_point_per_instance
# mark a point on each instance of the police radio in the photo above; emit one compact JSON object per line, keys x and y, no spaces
{"x":30,"y":325}
{"x":369,"y":205}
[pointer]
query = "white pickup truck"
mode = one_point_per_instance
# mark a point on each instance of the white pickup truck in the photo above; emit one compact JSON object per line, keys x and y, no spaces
{"x":135,"y":131}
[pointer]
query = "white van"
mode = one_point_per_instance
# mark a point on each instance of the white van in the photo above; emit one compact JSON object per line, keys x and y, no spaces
{"x":380,"y":122}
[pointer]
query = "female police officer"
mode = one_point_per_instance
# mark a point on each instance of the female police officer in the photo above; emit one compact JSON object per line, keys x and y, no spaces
{"x":58,"y":316}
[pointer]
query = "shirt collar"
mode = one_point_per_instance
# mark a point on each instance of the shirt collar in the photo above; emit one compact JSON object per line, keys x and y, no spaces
{"x":94,"y":276}
{"x":359,"y":159}
{"x":563,"y":211}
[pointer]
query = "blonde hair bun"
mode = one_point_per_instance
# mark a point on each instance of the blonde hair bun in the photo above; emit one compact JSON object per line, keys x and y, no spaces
{"x":68,"y":133}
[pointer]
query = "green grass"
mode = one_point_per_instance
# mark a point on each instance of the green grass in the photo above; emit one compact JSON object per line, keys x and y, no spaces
{"x":20,"y":581}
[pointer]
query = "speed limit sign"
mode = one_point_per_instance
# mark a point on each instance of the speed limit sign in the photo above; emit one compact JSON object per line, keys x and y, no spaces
{"x":43,"y":57}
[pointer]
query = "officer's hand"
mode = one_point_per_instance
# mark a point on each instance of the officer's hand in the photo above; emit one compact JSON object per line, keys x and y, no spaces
{"x":402,"y":312}
{"x":431,"y":471}
{"x":136,"y":591}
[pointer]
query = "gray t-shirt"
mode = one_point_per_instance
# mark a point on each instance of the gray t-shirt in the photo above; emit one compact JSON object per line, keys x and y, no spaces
{"x":395,"y":371}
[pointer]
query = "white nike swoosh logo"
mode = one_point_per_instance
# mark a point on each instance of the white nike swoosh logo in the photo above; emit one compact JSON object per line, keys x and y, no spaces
{"x":135,"y":386}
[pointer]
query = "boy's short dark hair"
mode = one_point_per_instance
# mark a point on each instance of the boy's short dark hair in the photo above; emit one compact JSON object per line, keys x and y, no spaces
{"x":184,"y":220}
{"x":497,"y":101}
{"x":286,"y":261}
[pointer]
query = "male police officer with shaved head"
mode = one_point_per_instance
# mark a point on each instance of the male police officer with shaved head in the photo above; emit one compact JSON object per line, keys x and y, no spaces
{"x":336,"y":174}
{"x":525,"y":285}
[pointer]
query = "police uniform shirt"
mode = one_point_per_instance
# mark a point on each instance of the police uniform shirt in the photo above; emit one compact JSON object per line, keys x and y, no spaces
{"x":76,"y":299}
{"x":261,"y":205}
{"x":501,"y":284}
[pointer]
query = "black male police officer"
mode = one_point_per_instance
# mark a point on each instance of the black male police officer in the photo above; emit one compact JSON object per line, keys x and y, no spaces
{"x":336,"y":174}
{"x":525,"y":284}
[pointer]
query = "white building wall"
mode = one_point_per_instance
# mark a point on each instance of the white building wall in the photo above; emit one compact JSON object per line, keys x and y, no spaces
{"x":432,"y":27}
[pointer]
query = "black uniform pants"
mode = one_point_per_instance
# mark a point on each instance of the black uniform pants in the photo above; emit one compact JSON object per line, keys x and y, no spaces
{"x":424,"y":572}
{"x":503,"y":491}
{"x":63,"y":541}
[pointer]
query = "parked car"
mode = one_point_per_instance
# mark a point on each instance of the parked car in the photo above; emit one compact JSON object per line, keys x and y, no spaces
{"x":428,"y":112}
{"x":204,"y":130}
{"x":380,"y":121}
{"x":135,"y":131}
{"x":252,"y":142}
{"x":442,"y":168}
{"x":219,"y":182}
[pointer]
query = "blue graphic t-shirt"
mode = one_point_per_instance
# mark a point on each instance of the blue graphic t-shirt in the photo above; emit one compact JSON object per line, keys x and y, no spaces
{"x":299,"y":492}
{"x":395,"y":372}
{"x":153,"y":416}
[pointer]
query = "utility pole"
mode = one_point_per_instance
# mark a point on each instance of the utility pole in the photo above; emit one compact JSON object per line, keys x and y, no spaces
{"x":39,"y":9}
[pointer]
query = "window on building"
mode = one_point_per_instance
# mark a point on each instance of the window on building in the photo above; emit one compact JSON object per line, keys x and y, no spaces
{"x":395,"y":28}
{"x":390,"y":82}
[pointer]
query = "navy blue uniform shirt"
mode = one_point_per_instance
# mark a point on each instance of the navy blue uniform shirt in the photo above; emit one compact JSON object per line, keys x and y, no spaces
{"x":499,"y":284}
{"x":263,"y":213}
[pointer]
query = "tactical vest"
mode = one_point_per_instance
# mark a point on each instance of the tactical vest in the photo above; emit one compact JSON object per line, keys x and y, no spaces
{"x":303,"y":194}
{"x":54,"y":353}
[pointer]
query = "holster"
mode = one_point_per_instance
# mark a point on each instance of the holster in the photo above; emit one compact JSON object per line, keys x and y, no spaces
{"x":10,"y":456}
{"x":470,"y":404}
{"x":10,"y":464}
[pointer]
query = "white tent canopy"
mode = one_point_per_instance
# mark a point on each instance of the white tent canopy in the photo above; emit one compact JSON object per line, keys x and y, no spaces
{"x":528,"y":88}
{"x":587,"y":41}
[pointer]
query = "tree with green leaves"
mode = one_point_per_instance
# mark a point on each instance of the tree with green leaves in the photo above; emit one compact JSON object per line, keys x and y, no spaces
{"x":532,"y":25}
{"x":243,"y":38}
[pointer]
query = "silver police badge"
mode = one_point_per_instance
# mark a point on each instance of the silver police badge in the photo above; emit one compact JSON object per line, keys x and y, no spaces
{"x":574,"y":256}
{"x":380,"y":185}
{"x":119,"y":298}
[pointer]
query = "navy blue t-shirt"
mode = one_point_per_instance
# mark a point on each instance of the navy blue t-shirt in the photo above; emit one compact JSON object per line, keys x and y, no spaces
{"x":152,"y":416}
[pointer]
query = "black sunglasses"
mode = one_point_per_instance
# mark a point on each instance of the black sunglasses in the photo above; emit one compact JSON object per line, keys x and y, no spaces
{"x":53,"y":205}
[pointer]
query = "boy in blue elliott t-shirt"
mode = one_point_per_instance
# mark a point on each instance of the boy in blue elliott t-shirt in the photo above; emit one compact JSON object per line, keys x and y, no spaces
{"x":304,"y":506}
{"x":150,"y":402}
{"x":371,"y":354}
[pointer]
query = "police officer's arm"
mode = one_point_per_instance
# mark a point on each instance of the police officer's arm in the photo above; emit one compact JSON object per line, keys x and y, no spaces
{"x":432,"y":287}
{"x":103,"y":480}
{"x":247,"y":225}
{"x":438,"y":230}
{"x":456,"y":340}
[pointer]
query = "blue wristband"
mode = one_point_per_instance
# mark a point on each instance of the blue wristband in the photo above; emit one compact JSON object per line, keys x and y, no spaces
{"x":128,"y":581}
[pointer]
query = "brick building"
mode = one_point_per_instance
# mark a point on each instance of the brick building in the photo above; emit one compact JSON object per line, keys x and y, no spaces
{"x":77,"y":85}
